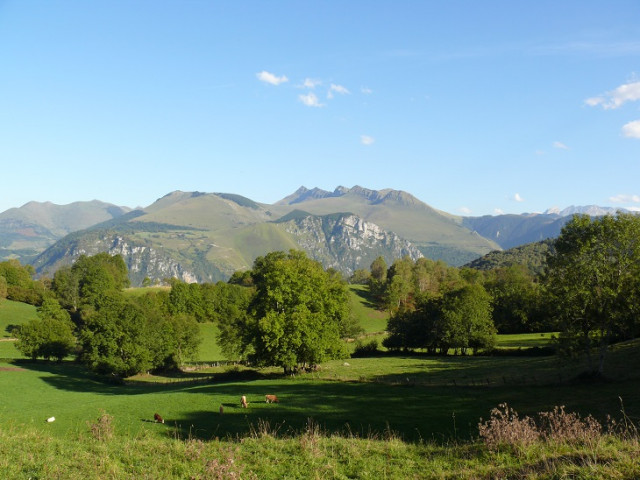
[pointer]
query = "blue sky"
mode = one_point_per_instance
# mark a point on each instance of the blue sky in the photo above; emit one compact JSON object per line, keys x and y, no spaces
{"x":473,"y":107}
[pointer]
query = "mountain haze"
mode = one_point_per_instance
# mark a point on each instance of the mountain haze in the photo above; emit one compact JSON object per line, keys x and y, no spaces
{"x":26,"y":231}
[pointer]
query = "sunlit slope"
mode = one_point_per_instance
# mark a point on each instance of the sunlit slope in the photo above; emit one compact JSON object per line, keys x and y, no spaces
{"x":211,"y":212}
{"x":432,"y":231}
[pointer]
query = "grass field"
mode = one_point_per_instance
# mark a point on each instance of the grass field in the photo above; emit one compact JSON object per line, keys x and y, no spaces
{"x":416,"y":395}
{"x":371,"y":320}
{"x":389,"y":416}
{"x":12,"y":313}
{"x":360,"y":395}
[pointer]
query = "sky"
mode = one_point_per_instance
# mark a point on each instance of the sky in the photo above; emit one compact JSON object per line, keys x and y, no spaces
{"x":476,"y":108}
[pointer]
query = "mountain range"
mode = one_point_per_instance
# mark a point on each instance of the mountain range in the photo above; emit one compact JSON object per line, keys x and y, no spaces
{"x":197,"y":236}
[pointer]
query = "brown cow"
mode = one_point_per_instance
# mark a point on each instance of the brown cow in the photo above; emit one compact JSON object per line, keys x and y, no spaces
{"x":271,"y":399}
{"x":243,"y":401}
{"x":221,"y":409}
{"x":158,"y":418}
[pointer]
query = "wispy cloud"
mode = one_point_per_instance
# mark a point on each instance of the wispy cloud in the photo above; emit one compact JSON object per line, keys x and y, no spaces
{"x":367,"y":140}
{"x":625,"y":198}
{"x":560,"y":145}
{"x":366,"y":90}
{"x":631,"y":129}
{"x":337,"y":89}
{"x":629,"y":92}
{"x":310,"y":100}
{"x":517,"y":198}
{"x":498,"y":211}
{"x":311,"y":83}
{"x":465,"y":210}
{"x":271,"y":78}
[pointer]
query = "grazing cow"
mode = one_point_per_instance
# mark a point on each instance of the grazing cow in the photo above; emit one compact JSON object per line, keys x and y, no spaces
{"x":271,"y":399}
{"x":158,"y":418}
{"x":221,"y":409}
{"x":243,"y":401}
{"x":51,"y":419}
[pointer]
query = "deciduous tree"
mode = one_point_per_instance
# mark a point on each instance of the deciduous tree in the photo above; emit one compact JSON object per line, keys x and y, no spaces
{"x":593,"y":277}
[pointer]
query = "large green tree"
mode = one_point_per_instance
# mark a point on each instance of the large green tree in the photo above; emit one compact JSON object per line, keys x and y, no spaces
{"x":297,"y":314}
{"x":593,"y":278}
{"x":49,"y":336}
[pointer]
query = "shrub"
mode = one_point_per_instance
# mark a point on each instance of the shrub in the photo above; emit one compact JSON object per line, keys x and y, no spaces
{"x":366,"y":349}
{"x":561,"y":426}
{"x":505,"y":428}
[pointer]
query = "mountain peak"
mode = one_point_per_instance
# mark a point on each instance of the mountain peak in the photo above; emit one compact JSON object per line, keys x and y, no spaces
{"x":592,"y":210}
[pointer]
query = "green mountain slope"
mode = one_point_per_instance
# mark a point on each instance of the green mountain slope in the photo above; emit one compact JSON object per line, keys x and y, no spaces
{"x":206,"y":237}
{"x":438,"y":235}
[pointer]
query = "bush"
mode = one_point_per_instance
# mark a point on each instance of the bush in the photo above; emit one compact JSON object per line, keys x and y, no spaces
{"x":505,"y":428}
{"x":368,"y":349}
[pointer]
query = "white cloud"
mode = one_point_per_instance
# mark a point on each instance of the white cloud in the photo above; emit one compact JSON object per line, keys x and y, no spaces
{"x":623,"y":198}
{"x":631,"y":129}
{"x":367,"y":140}
{"x":629,"y":92}
{"x":366,"y":90}
{"x":271,"y":78}
{"x":560,"y":145}
{"x":311,"y":83}
{"x":339,"y":89}
{"x":517,"y":198}
{"x":498,"y":211}
{"x":310,"y":100}
{"x":465,"y":210}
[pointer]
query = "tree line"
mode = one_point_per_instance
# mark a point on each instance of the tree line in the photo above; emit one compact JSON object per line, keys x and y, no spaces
{"x":588,"y":290}
{"x":289,"y":312}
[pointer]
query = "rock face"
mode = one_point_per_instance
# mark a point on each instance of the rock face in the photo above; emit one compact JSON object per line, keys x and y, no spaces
{"x":346,"y":242}
{"x":141,"y":260}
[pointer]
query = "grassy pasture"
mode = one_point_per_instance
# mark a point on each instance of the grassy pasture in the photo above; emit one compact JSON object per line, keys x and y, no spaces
{"x":13,"y":313}
{"x":371,"y":320}
{"x":418,"y":396}
{"x":367,"y":395}
{"x":525,"y":340}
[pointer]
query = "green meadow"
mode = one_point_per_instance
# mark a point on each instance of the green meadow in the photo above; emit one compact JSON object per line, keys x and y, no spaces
{"x":414,"y":410}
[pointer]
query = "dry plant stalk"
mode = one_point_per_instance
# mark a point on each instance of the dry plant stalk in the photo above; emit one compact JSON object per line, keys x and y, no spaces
{"x":102,"y":428}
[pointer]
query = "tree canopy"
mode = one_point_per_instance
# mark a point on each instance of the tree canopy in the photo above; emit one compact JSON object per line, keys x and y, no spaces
{"x":594,"y":279}
{"x":297,"y":314}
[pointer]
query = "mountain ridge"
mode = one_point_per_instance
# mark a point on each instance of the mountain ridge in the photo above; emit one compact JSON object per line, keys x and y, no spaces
{"x":205,"y":236}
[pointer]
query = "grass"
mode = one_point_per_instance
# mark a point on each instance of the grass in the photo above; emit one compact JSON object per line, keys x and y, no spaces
{"x":401,"y":416}
{"x":311,"y":454}
{"x":418,"y":397}
{"x":363,"y":307}
{"x":525,"y":340}
{"x":11,"y":314}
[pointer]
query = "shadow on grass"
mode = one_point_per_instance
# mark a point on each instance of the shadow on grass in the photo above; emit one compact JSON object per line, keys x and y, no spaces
{"x":367,"y":297}
{"x":349,"y":409}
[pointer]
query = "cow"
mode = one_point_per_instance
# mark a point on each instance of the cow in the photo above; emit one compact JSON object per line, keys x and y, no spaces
{"x":243,"y":401}
{"x":51,"y":419}
{"x":221,"y":409}
{"x":158,"y":418}
{"x":271,"y":399}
